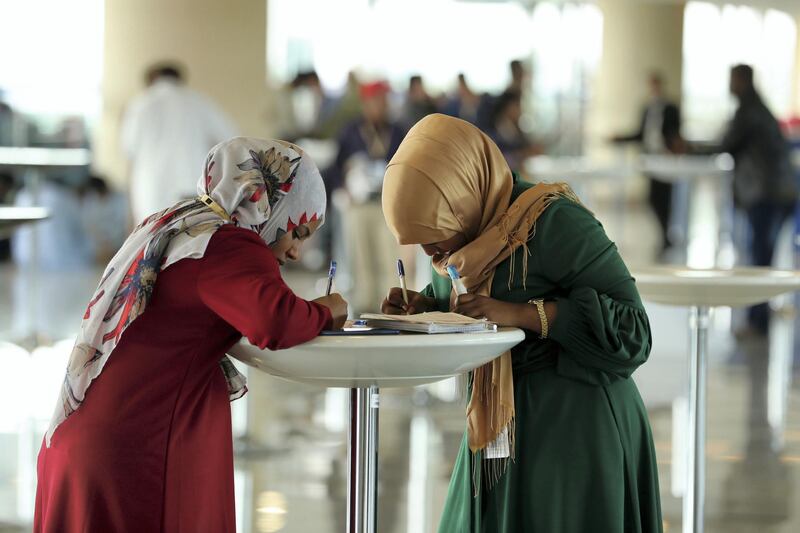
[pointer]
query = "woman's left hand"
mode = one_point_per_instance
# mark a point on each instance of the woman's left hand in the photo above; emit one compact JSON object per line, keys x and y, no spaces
{"x":497,"y":311}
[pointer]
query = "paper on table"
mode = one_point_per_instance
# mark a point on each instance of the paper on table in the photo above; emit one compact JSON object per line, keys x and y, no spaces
{"x":435,"y":322}
{"x":434,"y":317}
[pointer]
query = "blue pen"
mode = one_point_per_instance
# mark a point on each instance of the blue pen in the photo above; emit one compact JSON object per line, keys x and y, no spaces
{"x":401,"y":272}
{"x":455,"y":277}
{"x":331,"y":274}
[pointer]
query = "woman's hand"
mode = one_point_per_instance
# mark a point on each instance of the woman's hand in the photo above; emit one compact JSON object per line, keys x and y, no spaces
{"x":516,"y":315}
{"x":338,"y":308}
{"x":497,"y":311}
{"x":417,"y":303}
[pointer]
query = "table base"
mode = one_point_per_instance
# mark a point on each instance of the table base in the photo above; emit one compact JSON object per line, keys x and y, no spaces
{"x":694,"y":495}
{"x":362,"y":459}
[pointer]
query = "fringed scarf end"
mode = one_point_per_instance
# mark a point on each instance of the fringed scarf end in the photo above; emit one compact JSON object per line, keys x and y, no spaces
{"x":491,"y":469}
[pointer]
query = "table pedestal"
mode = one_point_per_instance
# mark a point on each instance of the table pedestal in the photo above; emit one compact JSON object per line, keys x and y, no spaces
{"x":362,"y":449}
{"x":364,"y":363}
{"x":694,"y":495}
{"x":701,"y":290}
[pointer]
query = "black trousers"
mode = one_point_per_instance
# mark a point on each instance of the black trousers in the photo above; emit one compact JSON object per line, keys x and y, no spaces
{"x":766,"y":220}
{"x":660,"y":198}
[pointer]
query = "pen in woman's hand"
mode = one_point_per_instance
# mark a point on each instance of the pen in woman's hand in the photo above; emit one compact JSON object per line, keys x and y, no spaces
{"x":455,"y":277}
{"x":331,"y":274}
{"x":401,"y":272}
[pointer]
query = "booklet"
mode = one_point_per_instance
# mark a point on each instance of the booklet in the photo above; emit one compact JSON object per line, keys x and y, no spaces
{"x":434,"y":322}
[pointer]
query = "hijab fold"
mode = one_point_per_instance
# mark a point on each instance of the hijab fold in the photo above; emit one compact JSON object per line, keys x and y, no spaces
{"x":268,"y":187}
{"x":447,"y":178}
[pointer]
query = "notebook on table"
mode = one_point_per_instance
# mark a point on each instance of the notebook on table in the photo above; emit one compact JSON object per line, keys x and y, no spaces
{"x":434,"y":322}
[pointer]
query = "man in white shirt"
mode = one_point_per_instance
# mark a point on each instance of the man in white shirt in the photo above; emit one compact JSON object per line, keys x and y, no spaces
{"x":166,"y":133}
{"x":659,"y":133}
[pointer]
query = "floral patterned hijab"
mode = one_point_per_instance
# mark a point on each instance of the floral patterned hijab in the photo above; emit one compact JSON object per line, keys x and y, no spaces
{"x":269,"y":187}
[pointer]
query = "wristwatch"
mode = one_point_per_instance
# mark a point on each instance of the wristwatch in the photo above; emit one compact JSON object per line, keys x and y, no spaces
{"x":539,"y":303}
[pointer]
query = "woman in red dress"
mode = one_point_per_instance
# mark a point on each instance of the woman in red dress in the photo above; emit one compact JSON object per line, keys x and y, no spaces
{"x":147,"y":447}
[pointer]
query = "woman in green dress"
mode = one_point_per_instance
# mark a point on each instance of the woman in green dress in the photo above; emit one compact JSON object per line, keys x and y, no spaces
{"x":557,"y":437}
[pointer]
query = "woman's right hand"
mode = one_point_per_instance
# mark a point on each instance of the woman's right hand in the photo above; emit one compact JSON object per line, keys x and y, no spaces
{"x":417,"y":303}
{"x":338,"y":309}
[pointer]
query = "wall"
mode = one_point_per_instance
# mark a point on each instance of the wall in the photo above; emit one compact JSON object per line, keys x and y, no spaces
{"x":222,"y":44}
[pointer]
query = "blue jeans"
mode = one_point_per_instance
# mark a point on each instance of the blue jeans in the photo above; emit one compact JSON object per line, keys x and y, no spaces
{"x":766,"y":220}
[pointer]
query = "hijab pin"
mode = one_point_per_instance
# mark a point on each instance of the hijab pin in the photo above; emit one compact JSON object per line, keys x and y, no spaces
{"x":208,"y":201}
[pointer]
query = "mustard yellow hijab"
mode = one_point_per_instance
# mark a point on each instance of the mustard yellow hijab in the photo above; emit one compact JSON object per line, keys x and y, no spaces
{"x":446,"y":178}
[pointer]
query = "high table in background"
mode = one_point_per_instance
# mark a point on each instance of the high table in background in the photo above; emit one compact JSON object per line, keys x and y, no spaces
{"x":35,"y":164}
{"x":695,"y":172}
{"x":13,"y":217}
{"x":581,"y":173}
{"x":364,"y":364}
{"x":700,"y":290}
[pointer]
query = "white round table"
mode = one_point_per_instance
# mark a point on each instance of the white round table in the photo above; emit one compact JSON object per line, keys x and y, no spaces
{"x":35,"y":162}
{"x":581,"y":172}
{"x":697,"y":172}
{"x":576,"y":168}
{"x":363,"y":364}
{"x":29,"y":157}
{"x":701,"y":290}
{"x":11,"y":217}
{"x":679,"y":168}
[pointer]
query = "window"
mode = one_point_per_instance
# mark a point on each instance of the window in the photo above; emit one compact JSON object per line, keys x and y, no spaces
{"x":717,"y":37}
{"x":438,"y":39}
{"x":397,"y":38}
{"x":52,"y":58}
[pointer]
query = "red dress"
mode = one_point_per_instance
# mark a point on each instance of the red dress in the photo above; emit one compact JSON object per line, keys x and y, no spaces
{"x":150,"y":449}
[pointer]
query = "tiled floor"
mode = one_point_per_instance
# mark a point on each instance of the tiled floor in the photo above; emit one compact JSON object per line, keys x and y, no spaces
{"x":291,"y":470}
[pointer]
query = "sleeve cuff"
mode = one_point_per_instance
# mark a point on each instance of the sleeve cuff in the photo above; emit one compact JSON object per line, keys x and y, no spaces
{"x":326,"y":316}
{"x":560,"y":329}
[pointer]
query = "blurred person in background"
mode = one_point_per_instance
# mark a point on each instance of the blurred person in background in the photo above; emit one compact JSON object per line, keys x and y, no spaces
{"x":165,"y":131}
{"x":140,"y":439}
{"x":6,"y":123}
{"x":464,"y":103}
{"x":344,"y":110}
{"x":105,"y":217}
{"x":7,"y":191}
{"x":418,"y":102}
{"x":73,"y":132}
{"x":310,"y":106}
{"x":520,"y":77}
{"x":506,"y":130}
{"x":7,"y":188}
{"x":764,"y":186}
{"x":365,"y":146}
{"x":15,"y":129}
{"x":488,"y":105}
{"x":659,"y":132}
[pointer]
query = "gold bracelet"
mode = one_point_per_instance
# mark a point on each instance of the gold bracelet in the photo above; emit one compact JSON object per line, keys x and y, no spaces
{"x":539,"y":303}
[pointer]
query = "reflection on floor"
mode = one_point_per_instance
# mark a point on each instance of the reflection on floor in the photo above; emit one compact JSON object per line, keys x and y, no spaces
{"x":290,"y":461}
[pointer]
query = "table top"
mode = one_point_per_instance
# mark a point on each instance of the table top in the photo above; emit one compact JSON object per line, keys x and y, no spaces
{"x":669,"y":168}
{"x":575,"y":168}
{"x":736,"y":287}
{"x":14,"y":156}
{"x":11,"y":217}
{"x":385,"y":361}
{"x":678,"y":168}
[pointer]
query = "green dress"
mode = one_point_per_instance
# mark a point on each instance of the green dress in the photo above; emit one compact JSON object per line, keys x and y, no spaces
{"x":585,"y":461}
